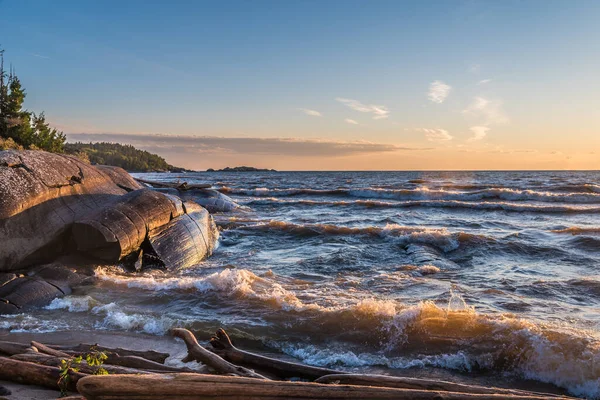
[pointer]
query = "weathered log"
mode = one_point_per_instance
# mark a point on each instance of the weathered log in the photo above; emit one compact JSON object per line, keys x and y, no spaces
{"x":84,"y":348}
{"x":199,"y":386}
{"x":141,"y":363}
{"x":133,"y":362}
{"x":12,"y":348}
{"x":53,"y":361}
{"x":42,"y":194}
{"x":42,"y":348}
{"x":120,"y":228}
{"x":186,"y":240}
{"x":34,"y":374}
{"x":222,"y":346}
{"x":175,"y":185}
{"x":200,"y":354}
{"x":421,"y":384}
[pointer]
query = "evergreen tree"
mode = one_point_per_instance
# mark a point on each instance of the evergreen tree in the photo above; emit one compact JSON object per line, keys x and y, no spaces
{"x":24,"y":127}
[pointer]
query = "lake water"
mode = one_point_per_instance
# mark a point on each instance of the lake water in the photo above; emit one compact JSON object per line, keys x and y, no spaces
{"x":447,"y":274}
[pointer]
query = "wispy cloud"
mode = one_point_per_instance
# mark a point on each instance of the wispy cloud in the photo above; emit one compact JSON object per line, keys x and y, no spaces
{"x":486,"y":110}
{"x":436,"y":135}
{"x":312,"y":113}
{"x":438,"y":91}
{"x":39,"y":56}
{"x":378,"y":111}
{"x":351,"y":121}
{"x":172,"y":144}
{"x":484,"y":81}
{"x":479,"y":132}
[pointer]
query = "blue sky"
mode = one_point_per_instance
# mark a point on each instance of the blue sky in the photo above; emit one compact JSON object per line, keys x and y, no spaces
{"x":438,"y":84}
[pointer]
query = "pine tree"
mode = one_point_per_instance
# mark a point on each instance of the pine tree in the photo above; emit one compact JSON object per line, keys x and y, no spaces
{"x":24,"y":127}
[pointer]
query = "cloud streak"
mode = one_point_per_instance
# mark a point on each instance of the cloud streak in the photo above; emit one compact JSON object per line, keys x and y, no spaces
{"x":438,"y":91}
{"x":486,"y":110}
{"x":173,"y":144}
{"x":351,"y":121}
{"x":436,"y":135}
{"x":479,"y":132}
{"x":378,"y":111}
{"x":312,"y":113}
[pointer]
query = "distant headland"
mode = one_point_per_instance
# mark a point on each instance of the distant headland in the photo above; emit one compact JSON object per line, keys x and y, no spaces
{"x":241,"y":169}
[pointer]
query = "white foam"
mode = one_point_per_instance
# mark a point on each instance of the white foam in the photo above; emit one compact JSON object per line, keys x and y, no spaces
{"x":71,"y":303}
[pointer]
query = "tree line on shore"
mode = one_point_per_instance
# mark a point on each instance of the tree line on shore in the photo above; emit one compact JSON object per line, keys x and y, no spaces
{"x":21,"y":129}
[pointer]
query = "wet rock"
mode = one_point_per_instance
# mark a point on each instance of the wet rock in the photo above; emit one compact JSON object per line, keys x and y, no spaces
{"x":213,"y":200}
{"x":120,"y":177}
{"x":120,"y":228}
{"x":26,"y":292}
{"x":187,"y":239}
{"x":41,"y":195}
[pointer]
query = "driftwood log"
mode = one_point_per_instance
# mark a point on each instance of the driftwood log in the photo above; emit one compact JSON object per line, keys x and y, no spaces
{"x":34,"y":374}
{"x":223,"y":346}
{"x":200,"y":354}
{"x":12,"y":348}
{"x":421,"y":384}
{"x":42,"y":348}
{"x":135,"y":362}
{"x":37,"y":365}
{"x":212,"y":387}
{"x":84,"y":348}
{"x":53,"y":361}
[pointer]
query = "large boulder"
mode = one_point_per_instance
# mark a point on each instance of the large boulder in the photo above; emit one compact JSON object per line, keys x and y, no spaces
{"x":211,"y":199}
{"x":118,"y":229}
{"x":41,"y":194}
{"x":52,"y":204}
{"x":187,"y":239}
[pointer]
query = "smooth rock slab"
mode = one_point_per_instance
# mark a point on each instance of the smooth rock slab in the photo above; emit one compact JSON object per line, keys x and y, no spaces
{"x":213,"y":200}
{"x":25,"y":292}
{"x":187,"y":239}
{"x":120,"y":228}
{"x":41,"y":194}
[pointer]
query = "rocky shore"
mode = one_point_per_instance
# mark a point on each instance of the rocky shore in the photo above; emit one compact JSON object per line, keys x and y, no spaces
{"x":61,"y":219}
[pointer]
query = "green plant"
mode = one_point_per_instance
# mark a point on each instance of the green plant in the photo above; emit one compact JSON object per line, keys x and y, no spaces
{"x":94,"y":359}
{"x":66,"y":367}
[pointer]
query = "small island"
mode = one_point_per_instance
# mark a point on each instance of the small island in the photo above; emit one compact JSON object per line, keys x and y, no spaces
{"x":241,"y":169}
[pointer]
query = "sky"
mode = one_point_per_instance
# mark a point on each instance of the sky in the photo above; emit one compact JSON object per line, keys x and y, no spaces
{"x":319,"y":85}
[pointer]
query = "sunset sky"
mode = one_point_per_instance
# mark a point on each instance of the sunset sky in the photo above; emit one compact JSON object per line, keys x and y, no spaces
{"x":311,"y":85}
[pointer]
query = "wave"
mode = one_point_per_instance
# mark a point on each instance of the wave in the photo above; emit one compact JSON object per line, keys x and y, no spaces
{"x":424,"y":194}
{"x":438,"y":237}
{"x":494,"y":206}
{"x":378,"y":332}
{"x":576,"y":230}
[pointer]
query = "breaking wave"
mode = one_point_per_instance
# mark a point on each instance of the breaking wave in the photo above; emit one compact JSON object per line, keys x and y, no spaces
{"x":493,"y":206}
{"x":576,"y":230}
{"x":455,"y":336}
{"x":505,"y":194}
{"x":438,"y":237}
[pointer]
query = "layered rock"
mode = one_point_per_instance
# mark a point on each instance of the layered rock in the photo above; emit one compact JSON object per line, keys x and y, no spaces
{"x":41,"y":194}
{"x":53,"y":205}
